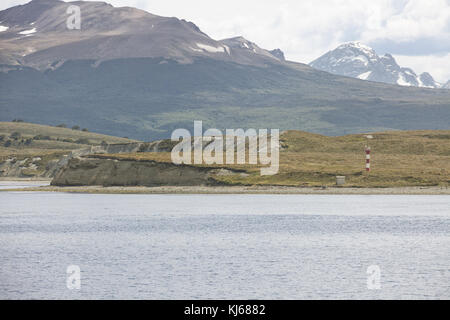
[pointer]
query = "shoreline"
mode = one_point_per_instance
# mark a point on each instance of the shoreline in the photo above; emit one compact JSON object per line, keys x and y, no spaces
{"x":237,"y":190}
{"x":17,"y":179}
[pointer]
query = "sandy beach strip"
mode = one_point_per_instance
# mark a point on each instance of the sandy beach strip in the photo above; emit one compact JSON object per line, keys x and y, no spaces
{"x":433,"y":190}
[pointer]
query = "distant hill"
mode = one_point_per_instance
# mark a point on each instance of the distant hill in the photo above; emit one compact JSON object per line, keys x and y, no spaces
{"x":53,"y":137}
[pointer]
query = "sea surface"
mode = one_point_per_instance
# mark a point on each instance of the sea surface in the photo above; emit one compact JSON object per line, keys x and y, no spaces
{"x":224,"y":246}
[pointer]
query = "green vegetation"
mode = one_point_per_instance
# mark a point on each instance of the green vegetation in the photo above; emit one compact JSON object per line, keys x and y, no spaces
{"x":147,"y":99}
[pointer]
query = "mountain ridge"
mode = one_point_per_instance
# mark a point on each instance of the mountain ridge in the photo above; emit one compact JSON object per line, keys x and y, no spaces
{"x":36,"y":35}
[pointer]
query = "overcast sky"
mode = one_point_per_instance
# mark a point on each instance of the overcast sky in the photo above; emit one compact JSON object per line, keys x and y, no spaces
{"x":415,"y":32}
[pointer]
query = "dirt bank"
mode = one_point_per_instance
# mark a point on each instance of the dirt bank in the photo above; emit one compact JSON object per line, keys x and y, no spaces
{"x":112,"y":172}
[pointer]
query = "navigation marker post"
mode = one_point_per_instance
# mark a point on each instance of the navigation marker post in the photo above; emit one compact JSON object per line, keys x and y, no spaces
{"x":367,"y":150}
{"x":367,"y":158}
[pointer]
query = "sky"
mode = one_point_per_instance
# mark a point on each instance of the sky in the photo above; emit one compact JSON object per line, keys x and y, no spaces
{"x":415,"y":32}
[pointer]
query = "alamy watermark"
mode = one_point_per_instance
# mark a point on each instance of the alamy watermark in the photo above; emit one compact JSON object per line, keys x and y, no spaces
{"x":208,"y":147}
{"x":374,"y":277}
{"x":73,"y":22}
{"x":73,"y":280}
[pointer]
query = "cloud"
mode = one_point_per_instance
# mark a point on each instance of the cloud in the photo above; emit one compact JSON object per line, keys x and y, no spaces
{"x":306,"y":29}
{"x":9,"y":3}
{"x":414,"y":47}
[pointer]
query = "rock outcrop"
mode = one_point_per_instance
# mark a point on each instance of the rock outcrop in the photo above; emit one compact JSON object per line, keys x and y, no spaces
{"x":22,"y":168}
{"x":35,"y":167}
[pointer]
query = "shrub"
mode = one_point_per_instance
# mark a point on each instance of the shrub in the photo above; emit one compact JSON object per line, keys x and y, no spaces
{"x":7,"y":143}
{"x":41,"y":137}
{"x":82,"y":141}
{"x":76,"y":128}
{"x":142,"y":147}
{"x":2,"y":137}
{"x":62,"y":125}
{"x":15,"y":135}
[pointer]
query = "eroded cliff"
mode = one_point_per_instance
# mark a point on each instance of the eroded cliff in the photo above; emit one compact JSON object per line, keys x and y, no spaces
{"x":90,"y":171}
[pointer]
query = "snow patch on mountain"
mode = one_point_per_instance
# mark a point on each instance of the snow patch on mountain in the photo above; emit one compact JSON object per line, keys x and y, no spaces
{"x":365,"y":75}
{"x":243,"y":45}
{"x":30,"y":31}
{"x":402,"y":81}
{"x":210,"y":49}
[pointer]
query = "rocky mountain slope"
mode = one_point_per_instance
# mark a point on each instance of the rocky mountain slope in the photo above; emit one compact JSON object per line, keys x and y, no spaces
{"x":36,"y":35}
{"x":357,"y":60}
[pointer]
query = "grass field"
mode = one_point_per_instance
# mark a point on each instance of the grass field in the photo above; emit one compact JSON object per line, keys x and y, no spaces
{"x":403,"y":158}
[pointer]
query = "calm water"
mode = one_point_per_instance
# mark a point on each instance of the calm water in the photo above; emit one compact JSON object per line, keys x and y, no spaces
{"x":224,"y":246}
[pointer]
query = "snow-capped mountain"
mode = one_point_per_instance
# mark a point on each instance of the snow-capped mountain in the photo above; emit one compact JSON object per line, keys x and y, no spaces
{"x":357,"y":60}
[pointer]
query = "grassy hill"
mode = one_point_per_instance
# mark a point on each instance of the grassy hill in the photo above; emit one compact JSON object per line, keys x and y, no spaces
{"x":20,"y":140}
{"x":30,"y":130}
{"x":403,"y":158}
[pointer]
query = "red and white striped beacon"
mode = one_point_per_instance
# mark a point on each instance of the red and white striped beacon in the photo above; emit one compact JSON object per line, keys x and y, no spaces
{"x":367,"y":158}
{"x":369,"y":137}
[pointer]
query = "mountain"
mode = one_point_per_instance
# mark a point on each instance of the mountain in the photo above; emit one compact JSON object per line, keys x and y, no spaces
{"x":357,"y":60}
{"x":131,"y":73}
{"x":36,"y":35}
